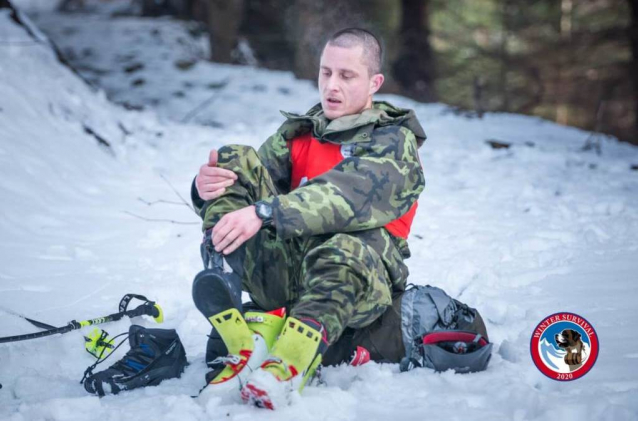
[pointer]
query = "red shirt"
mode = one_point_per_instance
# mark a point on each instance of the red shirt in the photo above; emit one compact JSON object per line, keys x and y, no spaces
{"x":311,"y":158}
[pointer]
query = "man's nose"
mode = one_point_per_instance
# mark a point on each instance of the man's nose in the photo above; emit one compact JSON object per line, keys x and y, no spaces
{"x":332,"y":84}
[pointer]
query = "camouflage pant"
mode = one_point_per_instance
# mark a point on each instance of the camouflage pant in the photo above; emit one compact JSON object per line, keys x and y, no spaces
{"x":342,"y":280}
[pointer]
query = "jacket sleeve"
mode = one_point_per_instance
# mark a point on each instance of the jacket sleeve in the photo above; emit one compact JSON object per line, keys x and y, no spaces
{"x":375,"y":186}
{"x":198,"y":202}
{"x":274,"y":154}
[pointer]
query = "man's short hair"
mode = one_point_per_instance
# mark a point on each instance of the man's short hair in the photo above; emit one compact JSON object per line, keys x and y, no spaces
{"x":372,"y":51}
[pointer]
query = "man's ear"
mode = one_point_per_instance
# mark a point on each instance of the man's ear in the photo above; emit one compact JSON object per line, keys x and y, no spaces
{"x":375,"y":83}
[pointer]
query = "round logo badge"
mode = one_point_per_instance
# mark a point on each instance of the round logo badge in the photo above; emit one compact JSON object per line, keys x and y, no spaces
{"x":564,"y":346}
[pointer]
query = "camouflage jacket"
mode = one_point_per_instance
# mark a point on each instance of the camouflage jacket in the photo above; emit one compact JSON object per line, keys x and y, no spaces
{"x":377,"y":184}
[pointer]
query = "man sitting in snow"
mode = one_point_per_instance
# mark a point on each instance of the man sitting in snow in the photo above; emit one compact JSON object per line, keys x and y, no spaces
{"x":315,"y":222}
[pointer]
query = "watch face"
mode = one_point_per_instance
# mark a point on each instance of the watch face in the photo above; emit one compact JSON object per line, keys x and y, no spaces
{"x":264,"y":210}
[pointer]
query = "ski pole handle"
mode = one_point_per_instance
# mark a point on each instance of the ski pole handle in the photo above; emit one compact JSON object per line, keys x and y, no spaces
{"x":148,"y":309}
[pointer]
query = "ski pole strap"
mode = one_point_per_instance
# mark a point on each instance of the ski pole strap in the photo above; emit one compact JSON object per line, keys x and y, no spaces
{"x":127,"y":299}
{"x":149,"y":308}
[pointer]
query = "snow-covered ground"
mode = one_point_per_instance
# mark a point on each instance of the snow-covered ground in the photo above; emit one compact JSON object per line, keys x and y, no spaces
{"x":519,"y":233}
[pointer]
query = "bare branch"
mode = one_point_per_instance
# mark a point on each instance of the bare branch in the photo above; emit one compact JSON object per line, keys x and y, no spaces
{"x":168,"y":202}
{"x":192,"y":113}
{"x":160,"y":220}
{"x":178,"y":195}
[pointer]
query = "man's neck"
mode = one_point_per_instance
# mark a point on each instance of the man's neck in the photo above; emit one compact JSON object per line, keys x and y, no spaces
{"x":368,"y":104}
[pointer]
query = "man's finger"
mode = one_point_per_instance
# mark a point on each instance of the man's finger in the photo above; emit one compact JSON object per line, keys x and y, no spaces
{"x":207,"y":172}
{"x":212,"y":195}
{"x":212,"y":158}
{"x":221,"y":230}
{"x":210,"y":181}
{"x":235,"y":244}
{"x":211,"y":187}
{"x":218,"y":226}
{"x":228,"y":239}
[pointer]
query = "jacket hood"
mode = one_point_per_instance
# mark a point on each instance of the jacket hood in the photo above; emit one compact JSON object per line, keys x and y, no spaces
{"x":382,"y":113}
{"x":403,"y":117}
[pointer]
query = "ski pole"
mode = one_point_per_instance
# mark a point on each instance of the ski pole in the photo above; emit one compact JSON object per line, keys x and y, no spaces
{"x":149,"y":308}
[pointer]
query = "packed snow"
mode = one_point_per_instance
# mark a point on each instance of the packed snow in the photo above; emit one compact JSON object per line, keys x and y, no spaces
{"x":519,"y":233}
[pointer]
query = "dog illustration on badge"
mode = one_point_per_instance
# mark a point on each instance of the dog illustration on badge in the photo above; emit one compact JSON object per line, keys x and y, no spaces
{"x":564,"y":346}
{"x":570,"y":340}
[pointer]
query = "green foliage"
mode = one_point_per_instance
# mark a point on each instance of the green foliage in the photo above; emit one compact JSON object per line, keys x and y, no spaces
{"x":536,"y":57}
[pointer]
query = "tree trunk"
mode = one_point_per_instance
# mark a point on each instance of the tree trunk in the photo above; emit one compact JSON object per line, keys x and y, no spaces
{"x":266,"y":26}
{"x":224,"y":20}
{"x":313,"y":22}
{"x":562,"y":109}
{"x":503,"y":55}
{"x":633,"y":35}
{"x":414,"y":68}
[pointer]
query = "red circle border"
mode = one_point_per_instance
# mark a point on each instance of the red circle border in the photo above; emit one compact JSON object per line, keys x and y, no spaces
{"x":554,"y":375}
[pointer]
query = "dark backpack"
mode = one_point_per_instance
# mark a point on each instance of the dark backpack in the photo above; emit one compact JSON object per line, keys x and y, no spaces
{"x":442,"y":333}
{"x":424,"y":327}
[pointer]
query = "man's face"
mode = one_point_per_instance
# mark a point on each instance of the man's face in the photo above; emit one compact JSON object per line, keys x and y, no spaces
{"x":345,"y":85}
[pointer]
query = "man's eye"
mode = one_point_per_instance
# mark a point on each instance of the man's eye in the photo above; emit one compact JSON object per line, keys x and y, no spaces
{"x":325,"y":73}
{"x":346,"y":77}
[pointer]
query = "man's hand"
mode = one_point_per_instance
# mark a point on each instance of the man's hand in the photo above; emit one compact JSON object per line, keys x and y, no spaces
{"x":235,"y":228}
{"x":211,"y":182}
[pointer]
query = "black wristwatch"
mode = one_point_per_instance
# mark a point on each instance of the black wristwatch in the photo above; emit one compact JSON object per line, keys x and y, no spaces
{"x":264,"y":212}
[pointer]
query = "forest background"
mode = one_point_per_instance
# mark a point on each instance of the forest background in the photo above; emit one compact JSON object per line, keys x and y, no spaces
{"x":574,"y":62}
